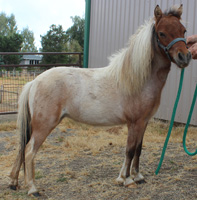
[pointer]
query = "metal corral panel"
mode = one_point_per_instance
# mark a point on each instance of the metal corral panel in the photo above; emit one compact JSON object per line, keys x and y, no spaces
{"x":114,"y":21}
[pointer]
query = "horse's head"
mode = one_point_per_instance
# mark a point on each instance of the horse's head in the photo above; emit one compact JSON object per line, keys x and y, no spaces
{"x":170,"y":36}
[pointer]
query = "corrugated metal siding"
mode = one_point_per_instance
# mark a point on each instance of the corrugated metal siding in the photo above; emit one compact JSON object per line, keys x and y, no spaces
{"x":114,"y":21}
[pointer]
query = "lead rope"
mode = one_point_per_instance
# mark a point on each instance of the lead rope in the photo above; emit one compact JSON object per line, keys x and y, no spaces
{"x":172,"y":122}
{"x":188,"y":121}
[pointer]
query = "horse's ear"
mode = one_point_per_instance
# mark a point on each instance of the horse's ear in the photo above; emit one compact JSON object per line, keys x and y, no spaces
{"x":158,"y":13}
{"x":180,"y":10}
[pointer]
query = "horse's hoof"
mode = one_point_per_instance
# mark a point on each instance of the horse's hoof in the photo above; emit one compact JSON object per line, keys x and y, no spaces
{"x":36,"y":194}
{"x":140,"y":181}
{"x":13,"y":187}
{"x":129,"y":181}
{"x":120,"y":180}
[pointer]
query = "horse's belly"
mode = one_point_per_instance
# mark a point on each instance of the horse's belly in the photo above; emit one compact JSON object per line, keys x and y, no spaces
{"x":96,"y":113}
{"x":100,"y":117}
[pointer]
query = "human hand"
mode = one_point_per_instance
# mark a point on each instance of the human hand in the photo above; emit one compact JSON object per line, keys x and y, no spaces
{"x":191,"y":40}
{"x":193,"y":50}
{"x":192,"y":44}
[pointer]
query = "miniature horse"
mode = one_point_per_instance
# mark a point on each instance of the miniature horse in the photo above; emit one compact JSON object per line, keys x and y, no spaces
{"x":127,"y":91}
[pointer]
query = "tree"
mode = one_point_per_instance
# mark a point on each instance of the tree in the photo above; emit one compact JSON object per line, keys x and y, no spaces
{"x":76,"y":31}
{"x":28,"y":41}
{"x":73,"y":46}
{"x":54,"y":41}
{"x":11,"y":43}
{"x":7,"y":24}
{"x":57,"y":40}
{"x":10,"y":39}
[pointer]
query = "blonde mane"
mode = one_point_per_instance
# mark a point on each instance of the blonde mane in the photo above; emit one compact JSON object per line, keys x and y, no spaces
{"x":131,"y":66}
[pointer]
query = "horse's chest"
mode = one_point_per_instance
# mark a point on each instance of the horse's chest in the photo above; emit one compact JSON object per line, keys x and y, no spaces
{"x":143,"y":106}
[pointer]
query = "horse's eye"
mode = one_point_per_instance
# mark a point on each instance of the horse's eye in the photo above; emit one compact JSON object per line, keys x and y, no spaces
{"x":161,"y":34}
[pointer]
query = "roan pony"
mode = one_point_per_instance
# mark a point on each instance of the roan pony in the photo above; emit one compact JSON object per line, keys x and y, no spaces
{"x":127,"y":91}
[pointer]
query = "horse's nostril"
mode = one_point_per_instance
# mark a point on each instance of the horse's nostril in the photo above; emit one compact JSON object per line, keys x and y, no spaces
{"x":180,"y":56}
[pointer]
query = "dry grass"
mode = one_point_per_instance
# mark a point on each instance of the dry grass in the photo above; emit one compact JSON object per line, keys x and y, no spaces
{"x":8,"y":126}
{"x":81,"y":162}
{"x":12,"y":81}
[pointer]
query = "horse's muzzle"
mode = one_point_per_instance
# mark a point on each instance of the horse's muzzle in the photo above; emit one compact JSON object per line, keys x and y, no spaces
{"x":183,"y":60}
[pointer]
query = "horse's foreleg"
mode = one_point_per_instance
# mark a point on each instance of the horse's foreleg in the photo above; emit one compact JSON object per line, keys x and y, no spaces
{"x":133,"y":151}
{"x":135,"y":174}
{"x":15,"y":172}
{"x":124,"y":176}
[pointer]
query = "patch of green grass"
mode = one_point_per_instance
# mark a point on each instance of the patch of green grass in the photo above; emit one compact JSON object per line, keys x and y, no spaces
{"x":62,"y":178}
{"x":38,"y":175}
{"x":117,"y":163}
{"x":172,"y":162}
{"x":19,"y":194}
{"x":60,"y":139}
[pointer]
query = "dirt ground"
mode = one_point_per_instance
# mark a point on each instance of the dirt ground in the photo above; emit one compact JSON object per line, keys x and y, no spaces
{"x":79,"y":162}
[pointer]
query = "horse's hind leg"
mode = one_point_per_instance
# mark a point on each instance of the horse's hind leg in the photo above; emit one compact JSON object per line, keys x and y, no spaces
{"x":37,"y":138}
{"x":15,"y":172}
{"x":41,"y":129}
{"x":30,"y":153}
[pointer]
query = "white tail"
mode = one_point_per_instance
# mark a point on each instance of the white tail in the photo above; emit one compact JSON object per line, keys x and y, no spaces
{"x":24,"y":119}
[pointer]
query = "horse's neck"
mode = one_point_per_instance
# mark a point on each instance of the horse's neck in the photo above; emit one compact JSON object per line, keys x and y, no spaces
{"x":160,"y":66}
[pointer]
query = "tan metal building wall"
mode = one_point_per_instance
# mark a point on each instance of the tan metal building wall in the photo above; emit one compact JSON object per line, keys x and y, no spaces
{"x":114,"y":21}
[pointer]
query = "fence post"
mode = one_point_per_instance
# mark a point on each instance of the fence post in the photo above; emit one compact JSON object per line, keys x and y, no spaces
{"x":1,"y":94}
{"x":80,"y":65}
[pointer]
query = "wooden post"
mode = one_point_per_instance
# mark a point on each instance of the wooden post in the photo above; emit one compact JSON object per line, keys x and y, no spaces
{"x":1,"y":94}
